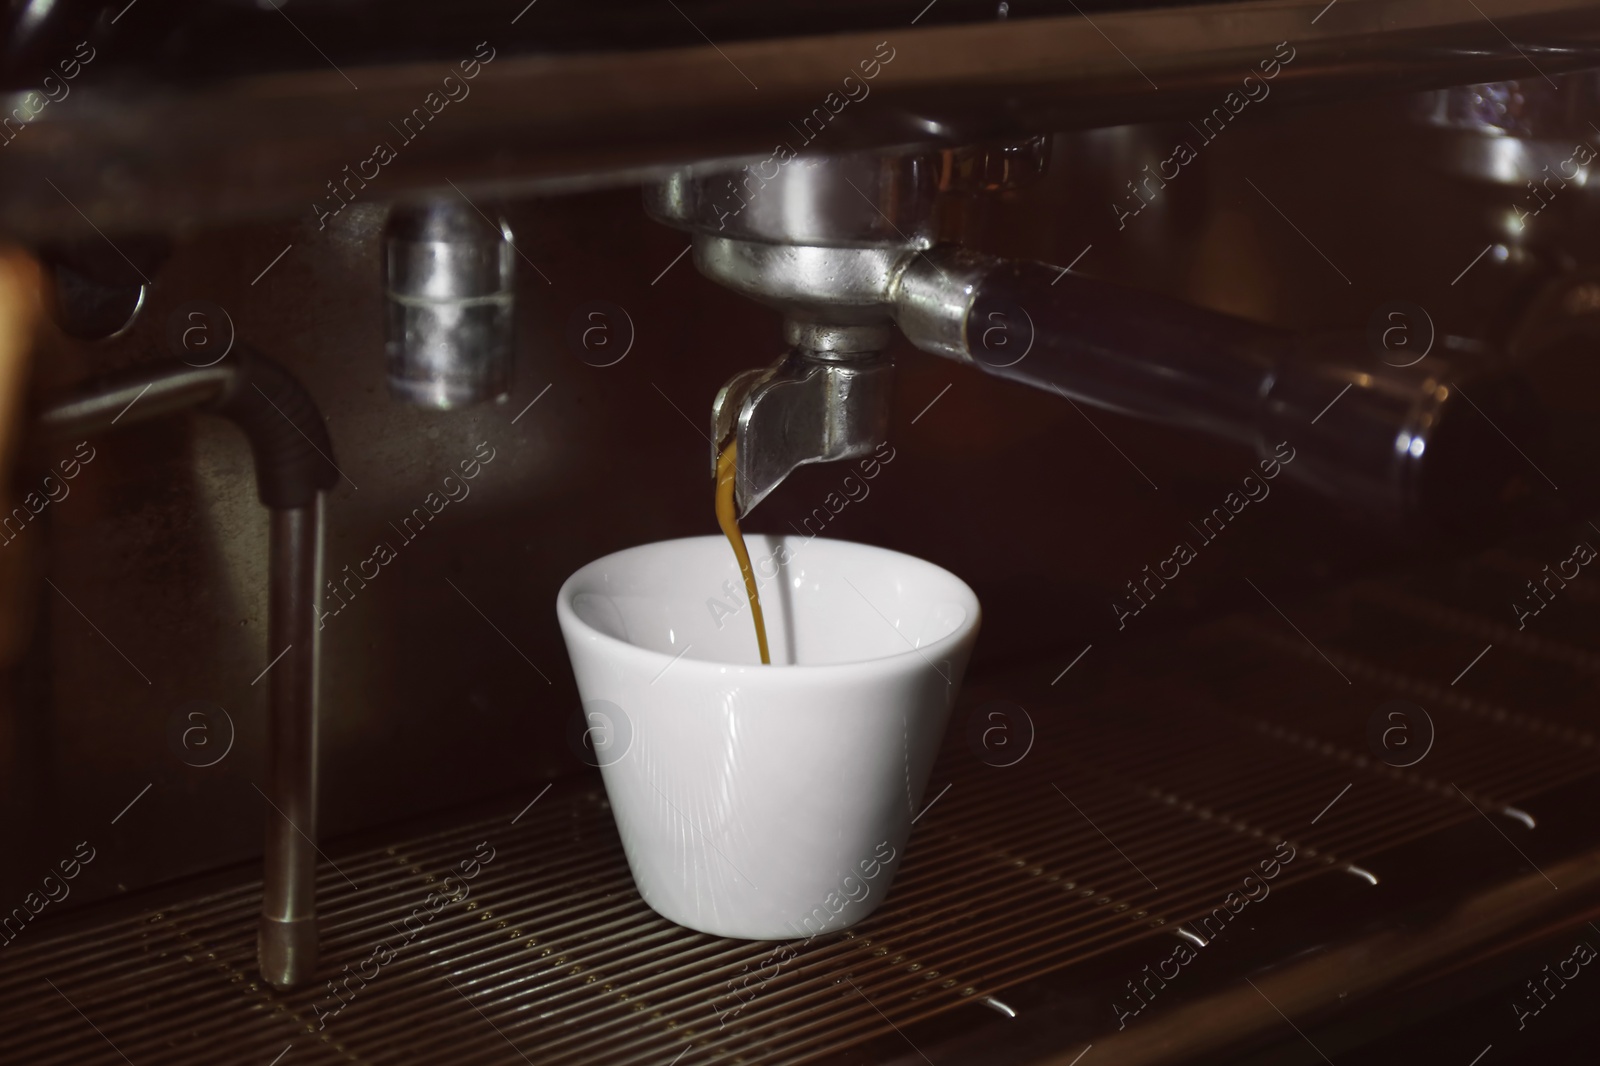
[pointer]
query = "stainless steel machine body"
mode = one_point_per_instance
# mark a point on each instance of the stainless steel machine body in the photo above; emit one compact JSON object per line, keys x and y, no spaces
{"x":1194,"y":327}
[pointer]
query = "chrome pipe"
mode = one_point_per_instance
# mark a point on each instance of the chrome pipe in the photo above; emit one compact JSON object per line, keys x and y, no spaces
{"x":286,"y":944}
{"x":293,"y":472}
{"x":139,"y":397}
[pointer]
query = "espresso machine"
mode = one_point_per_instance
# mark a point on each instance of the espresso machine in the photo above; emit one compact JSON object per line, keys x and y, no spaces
{"x":1239,"y":355}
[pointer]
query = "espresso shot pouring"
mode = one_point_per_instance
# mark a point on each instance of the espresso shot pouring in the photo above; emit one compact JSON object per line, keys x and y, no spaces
{"x":728,"y":519}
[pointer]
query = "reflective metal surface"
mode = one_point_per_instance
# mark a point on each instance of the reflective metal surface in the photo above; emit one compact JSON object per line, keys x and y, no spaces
{"x":1525,"y":132}
{"x":449,"y":275}
{"x":137,"y":156}
{"x":821,"y":241}
{"x":830,"y":285}
{"x":810,"y":406}
{"x":287,"y":945}
{"x":165,"y":391}
{"x":827,"y":200}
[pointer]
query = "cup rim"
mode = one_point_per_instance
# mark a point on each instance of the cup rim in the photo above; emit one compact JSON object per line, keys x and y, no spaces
{"x":567,"y":617}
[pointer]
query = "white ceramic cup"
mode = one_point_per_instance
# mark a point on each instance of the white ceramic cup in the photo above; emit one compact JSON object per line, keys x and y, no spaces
{"x":765,"y":802}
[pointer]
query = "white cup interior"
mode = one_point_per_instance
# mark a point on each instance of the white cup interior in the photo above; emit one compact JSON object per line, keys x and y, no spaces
{"x":825,"y":602}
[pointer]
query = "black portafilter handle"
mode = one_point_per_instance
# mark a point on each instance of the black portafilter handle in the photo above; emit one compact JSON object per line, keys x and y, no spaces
{"x":1435,"y":441}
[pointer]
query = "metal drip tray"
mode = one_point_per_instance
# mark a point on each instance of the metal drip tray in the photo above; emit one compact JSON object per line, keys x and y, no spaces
{"x":1134,"y":814}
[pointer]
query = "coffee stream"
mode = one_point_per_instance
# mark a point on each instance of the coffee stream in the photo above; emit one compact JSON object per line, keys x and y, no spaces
{"x":727,"y":470}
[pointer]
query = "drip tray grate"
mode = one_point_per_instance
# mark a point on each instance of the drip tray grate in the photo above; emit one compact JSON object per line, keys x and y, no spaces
{"x":551,"y":957}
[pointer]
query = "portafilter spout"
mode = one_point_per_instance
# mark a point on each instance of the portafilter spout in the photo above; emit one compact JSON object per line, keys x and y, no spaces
{"x":826,"y":399}
{"x":819,"y":239}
